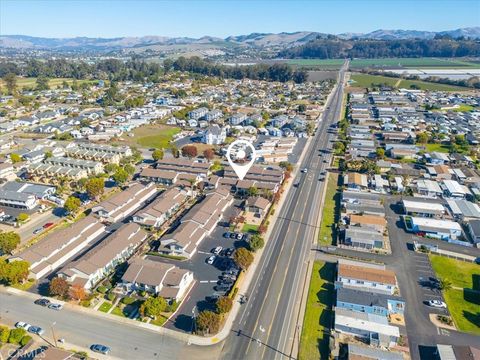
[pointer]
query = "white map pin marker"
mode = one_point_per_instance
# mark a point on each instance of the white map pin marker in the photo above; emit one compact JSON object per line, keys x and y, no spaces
{"x":241,"y":170}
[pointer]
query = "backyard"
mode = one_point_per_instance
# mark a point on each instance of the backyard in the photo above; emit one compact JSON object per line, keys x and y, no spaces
{"x":314,"y":342}
{"x":463,"y":299}
{"x":437,"y":147}
{"x":326,"y":235}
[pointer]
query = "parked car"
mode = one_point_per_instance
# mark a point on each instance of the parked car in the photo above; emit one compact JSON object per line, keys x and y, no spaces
{"x":36,"y":330}
{"x":225,"y":281}
{"x":47,"y":225}
{"x":230,"y":272}
{"x":222,"y":287}
{"x":217,"y":250}
{"x":211,"y":259}
{"x":304,"y":170}
{"x":57,"y":307}
{"x":37,"y":231}
{"x":102,"y":349}
{"x":233,"y":235}
{"x":437,"y":304}
{"x":227,"y":276}
{"x":213,"y":298}
{"x":42,"y":302}
{"x":229,"y":251}
{"x":22,"y":325}
{"x":239,"y":236}
{"x":226,"y":235}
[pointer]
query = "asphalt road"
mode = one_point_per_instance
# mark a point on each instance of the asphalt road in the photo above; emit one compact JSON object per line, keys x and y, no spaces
{"x":413,"y":270}
{"x":266,"y":327}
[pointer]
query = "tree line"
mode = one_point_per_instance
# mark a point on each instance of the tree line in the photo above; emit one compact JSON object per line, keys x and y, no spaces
{"x":108,"y":69}
{"x":268,"y":72}
{"x":335,"y":48}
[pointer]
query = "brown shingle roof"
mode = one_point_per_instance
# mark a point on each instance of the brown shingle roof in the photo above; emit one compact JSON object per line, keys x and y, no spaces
{"x":365,"y":273}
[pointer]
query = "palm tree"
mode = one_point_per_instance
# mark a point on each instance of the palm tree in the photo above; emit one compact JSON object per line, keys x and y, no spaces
{"x":445,"y":284}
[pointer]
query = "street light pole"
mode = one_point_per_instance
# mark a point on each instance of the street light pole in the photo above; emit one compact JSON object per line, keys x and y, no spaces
{"x":53,"y":333}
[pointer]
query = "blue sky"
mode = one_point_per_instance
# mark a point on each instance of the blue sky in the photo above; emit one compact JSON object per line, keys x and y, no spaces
{"x":195,"y":18}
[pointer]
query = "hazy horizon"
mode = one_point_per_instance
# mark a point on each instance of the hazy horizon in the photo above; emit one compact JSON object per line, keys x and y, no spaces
{"x":195,"y":19}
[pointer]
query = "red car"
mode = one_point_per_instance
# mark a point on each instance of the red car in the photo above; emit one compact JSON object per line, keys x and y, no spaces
{"x":47,"y":225}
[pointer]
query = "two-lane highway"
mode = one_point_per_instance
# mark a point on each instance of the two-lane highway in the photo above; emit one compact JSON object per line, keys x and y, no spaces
{"x":266,"y":326}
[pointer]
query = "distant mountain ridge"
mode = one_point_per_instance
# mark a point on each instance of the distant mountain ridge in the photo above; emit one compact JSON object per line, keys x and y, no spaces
{"x":260,"y":40}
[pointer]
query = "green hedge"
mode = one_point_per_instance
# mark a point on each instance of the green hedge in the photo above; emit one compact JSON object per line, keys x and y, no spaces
{"x":25,"y":340}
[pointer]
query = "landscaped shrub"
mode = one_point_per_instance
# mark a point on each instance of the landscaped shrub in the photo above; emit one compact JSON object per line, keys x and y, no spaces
{"x":85,"y":303}
{"x":25,"y":340}
{"x":128,"y":300}
{"x":111,"y":296}
{"x":102,"y":289}
{"x":4,"y":334}
{"x":173,"y":306}
{"x":16,"y":335}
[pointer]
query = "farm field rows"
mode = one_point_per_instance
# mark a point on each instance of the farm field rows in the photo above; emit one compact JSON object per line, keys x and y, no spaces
{"x":434,"y":63}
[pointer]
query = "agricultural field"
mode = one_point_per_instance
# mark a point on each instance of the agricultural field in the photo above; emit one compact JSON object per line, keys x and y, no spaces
{"x":330,"y":64}
{"x":150,"y":136}
{"x":436,"y":63}
{"x":23,"y":83}
{"x":368,"y":81}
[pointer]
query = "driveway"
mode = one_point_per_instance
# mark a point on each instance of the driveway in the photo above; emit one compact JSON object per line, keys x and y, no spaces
{"x":206,"y":276}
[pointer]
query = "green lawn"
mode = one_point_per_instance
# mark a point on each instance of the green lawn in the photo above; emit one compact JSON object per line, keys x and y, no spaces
{"x":413,"y":63}
{"x":326,"y":233}
{"x":464,"y":305}
{"x":160,"y":139}
{"x":105,"y":307}
{"x":464,"y":108}
{"x":53,"y":83}
{"x":369,"y":81}
{"x":250,"y":228}
{"x":159,"y":321}
{"x":437,"y":148}
{"x":318,"y":313}
{"x":460,"y":273}
{"x":117,"y":311}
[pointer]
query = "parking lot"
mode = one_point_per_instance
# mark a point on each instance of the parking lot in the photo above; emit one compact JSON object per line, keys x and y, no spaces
{"x":206,"y":275}
{"x":427,"y":281}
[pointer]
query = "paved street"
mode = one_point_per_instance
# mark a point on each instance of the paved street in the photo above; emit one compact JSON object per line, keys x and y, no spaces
{"x":413,"y":270}
{"x":126,"y":341}
{"x":263,"y":329}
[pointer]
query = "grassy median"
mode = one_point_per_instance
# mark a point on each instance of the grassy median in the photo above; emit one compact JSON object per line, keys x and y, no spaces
{"x":330,"y":211}
{"x":314,"y":341}
{"x":463,"y":299}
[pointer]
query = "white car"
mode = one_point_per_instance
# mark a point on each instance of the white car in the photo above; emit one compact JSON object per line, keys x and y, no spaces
{"x":217,"y":250}
{"x":437,"y":304}
{"x":211,"y":260}
{"x":23,"y":325}
{"x":304,"y":170}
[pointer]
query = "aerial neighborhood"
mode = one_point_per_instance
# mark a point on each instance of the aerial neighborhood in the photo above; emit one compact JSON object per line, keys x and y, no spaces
{"x":282,"y":194}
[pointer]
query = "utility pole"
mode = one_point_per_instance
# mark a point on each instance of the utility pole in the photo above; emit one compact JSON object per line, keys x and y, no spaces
{"x":53,"y":333}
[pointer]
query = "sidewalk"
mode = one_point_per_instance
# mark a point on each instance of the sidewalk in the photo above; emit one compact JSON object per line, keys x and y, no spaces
{"x":189,"y":338}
